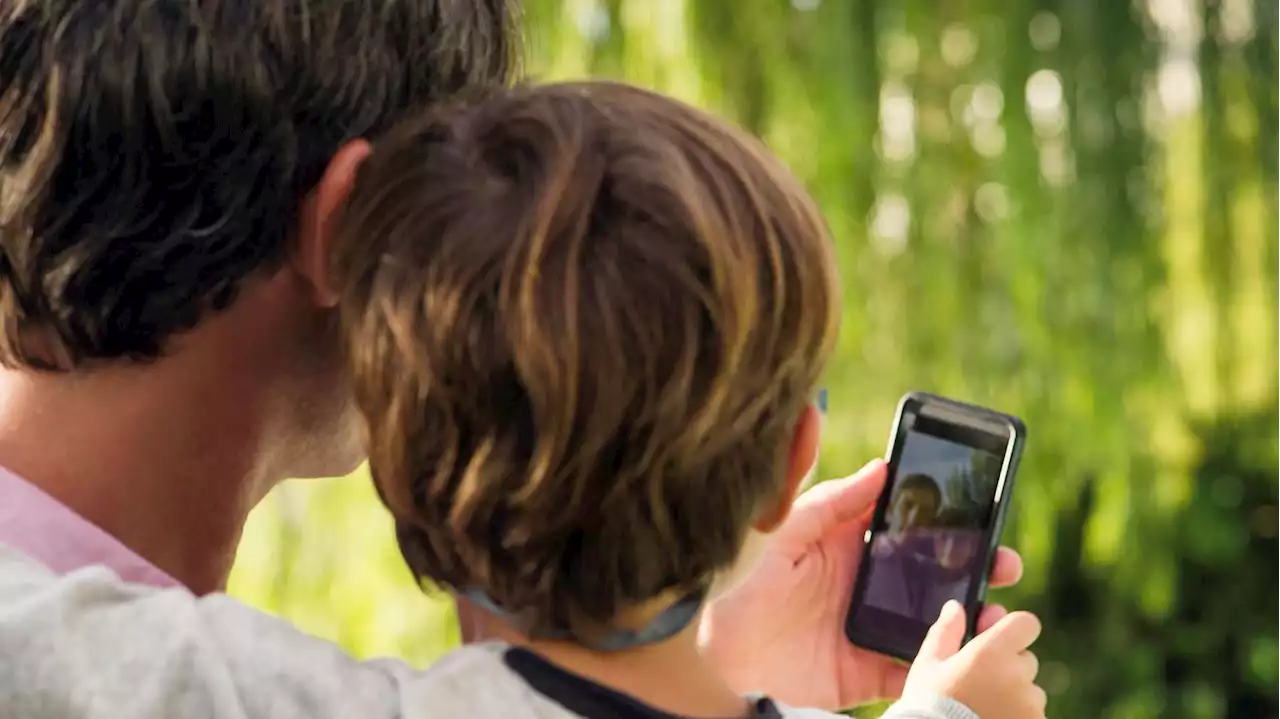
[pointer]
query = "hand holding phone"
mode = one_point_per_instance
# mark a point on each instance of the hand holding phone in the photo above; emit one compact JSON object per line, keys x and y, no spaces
{"x":937,"y":524}
{"x":994,"y":675}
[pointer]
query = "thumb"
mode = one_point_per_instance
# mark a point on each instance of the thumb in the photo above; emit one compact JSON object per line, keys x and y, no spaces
{"x":945,"y":636}
{"x":835,"y":502}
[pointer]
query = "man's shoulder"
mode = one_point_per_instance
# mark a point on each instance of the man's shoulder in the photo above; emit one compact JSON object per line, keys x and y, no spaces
{"x":88,"y":639}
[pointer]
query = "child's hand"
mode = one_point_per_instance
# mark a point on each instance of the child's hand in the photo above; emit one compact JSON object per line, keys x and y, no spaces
{"x":994,"y":675}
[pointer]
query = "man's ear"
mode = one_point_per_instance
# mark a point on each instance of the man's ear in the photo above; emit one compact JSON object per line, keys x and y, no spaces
{"x":317,"y":220}
{"x":800,"y":462}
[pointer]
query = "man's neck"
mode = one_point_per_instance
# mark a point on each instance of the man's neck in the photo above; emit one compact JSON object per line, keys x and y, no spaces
{"x":167,"y":464}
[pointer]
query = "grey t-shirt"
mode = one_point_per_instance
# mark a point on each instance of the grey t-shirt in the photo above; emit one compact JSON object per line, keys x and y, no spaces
{"x":87,"y":646}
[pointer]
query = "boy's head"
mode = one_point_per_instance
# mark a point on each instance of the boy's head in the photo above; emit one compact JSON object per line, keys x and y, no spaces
{"x":585,"y":323}
{"x":165,"y":162}
{"x":916,"y":502}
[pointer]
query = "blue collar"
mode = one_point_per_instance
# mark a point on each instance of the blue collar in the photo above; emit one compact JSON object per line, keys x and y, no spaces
{"x":670,"y":622}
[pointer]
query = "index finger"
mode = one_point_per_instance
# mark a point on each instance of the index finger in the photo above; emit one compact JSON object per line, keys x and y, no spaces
{"x":1014,"y":633}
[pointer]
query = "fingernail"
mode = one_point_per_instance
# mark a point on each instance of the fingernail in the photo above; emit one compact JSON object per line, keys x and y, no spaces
{"x":951,"y":608}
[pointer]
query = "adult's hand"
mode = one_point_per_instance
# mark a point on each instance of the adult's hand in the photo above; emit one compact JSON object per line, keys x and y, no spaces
{"x":781,"y":630}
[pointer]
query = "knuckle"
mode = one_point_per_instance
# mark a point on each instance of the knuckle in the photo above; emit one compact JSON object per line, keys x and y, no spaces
{"x":1032,"y":664}
{"x":1039,"y":699}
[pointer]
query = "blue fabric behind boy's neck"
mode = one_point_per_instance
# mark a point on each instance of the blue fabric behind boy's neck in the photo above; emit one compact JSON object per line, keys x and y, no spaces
{"x":670,"y":622}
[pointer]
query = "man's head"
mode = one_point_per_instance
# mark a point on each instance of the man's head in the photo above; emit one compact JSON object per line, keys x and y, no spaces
{"x":586,"y":323}
{"x":916,"y":502}
{"x":162,"y":163}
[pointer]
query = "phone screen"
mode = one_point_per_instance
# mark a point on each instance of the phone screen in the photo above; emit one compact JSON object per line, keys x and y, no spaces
{"x":932,"y":539}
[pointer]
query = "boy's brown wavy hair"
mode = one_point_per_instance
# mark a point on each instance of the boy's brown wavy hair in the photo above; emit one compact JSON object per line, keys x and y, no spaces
{"x":583,"y":321}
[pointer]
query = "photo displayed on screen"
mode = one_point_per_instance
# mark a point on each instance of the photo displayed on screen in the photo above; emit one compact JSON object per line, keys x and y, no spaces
{"x":930,"y":544}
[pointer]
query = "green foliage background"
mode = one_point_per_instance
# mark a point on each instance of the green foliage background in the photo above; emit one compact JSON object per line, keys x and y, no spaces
{"x":1065,"y":209}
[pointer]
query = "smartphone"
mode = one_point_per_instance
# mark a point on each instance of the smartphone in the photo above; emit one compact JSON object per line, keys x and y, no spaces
{"x":937,"y":524}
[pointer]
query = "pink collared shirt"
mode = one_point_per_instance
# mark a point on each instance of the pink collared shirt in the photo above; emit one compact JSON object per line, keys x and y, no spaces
{"x":49,"y":532}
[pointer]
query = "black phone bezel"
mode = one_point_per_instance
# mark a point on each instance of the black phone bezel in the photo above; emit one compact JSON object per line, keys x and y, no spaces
{"x":967,"y":418}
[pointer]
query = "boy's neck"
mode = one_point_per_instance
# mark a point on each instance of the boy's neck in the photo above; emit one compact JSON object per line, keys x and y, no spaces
{"x":671,"y":676}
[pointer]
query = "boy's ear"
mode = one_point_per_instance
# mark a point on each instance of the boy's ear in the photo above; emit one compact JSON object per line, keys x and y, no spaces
{"x":317,"y":219}
{"x":800,"y":463}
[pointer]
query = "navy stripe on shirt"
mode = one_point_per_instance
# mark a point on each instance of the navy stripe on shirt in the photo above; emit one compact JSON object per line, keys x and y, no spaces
{"x":595,"y":701}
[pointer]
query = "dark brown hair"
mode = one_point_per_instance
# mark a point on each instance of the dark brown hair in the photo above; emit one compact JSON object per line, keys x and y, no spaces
{"x":153,"y":154}
{"x":956,"y":518}
{"x":583,"y":320}
{"x":922,"y":482}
